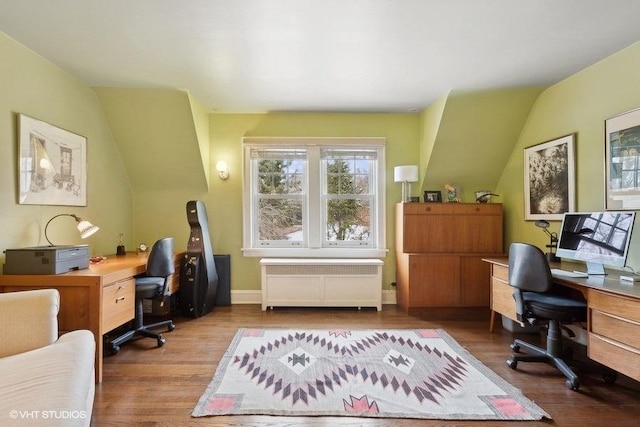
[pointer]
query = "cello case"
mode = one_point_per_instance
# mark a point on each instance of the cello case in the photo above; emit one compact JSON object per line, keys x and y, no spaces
{"x":198,"y":275}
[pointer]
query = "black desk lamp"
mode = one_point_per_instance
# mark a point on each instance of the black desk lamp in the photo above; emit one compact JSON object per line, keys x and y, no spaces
{"x":85,"y":228}
{"x":553,"y":240}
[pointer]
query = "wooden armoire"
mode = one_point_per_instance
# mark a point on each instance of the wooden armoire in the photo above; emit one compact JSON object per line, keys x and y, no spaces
{"x":439,"y":252}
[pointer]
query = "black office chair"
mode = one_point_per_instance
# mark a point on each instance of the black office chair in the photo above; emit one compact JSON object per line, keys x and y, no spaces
{"x":154,"y":284}
{"x":530,"y":276}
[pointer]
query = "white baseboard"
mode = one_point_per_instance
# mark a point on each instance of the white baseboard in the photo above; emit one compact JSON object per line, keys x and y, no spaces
{"x":255,"y":297}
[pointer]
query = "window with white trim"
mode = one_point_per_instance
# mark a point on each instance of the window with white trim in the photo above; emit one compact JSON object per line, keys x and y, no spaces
{"x":314,"y":197}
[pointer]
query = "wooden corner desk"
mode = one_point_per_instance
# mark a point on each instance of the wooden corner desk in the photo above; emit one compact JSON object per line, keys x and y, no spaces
{"x":613,"y":313}
{"x":99,"y":298}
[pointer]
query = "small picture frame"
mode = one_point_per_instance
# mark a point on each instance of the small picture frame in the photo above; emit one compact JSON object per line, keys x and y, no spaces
{"x":433,"y":196}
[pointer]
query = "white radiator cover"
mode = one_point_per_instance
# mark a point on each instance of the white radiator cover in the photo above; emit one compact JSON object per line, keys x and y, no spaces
{"x":321,"y":282}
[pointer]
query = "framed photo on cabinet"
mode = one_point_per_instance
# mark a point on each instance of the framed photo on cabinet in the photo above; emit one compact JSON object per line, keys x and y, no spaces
{"x":622,"y":161}
{"x":549,"y":179}
{"x":434,"y":196}
{"x":52,"y":164}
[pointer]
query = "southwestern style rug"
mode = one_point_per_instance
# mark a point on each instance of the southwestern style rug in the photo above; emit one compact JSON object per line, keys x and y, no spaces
{"x":399,"y":373}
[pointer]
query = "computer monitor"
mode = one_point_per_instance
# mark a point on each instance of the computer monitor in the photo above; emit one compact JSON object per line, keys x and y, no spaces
{"x":598,"y":238}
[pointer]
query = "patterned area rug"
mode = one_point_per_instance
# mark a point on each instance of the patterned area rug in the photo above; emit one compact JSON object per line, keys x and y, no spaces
{"x":401,"y":373}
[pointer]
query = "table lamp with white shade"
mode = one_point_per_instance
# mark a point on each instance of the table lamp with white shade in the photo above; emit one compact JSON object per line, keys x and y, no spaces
{"x":406,"y":174}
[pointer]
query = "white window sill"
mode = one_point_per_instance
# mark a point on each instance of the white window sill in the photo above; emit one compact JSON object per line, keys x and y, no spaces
{"x":315,"y":253}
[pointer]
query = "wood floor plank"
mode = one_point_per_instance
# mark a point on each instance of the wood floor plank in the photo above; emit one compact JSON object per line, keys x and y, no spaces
{"x":148,"y":386}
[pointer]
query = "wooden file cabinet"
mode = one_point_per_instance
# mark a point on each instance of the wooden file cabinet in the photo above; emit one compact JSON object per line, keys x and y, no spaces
{"x":439,"y":252}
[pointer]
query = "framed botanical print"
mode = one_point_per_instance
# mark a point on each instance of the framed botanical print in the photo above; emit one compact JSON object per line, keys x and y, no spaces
{"x":549,"y":179}
{"x":52,"y":164}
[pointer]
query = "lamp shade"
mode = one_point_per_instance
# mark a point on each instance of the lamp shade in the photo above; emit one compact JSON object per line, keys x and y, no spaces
{"x":85,"y":228}
{"x":405,"y":173}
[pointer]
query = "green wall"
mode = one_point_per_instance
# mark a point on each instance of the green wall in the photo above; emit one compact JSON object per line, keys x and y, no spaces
{"x":580,"y":104}
{"x":33,"y":86}
{"x":224,"y":202}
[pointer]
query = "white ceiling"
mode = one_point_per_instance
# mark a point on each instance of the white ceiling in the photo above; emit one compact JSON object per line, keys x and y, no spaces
{"x":322,"y":55}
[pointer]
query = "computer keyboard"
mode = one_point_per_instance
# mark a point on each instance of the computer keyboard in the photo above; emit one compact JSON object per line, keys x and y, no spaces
{"x":564,"y":273}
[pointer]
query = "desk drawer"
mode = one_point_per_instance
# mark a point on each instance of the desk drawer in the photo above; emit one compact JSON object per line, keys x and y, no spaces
{"x":623,"y":359}
{"x":616,"y":328}
{"x":118,"y":304}
{"x":614,"y":304}
{"x":500,"y":272}
{"x":502,"y":299}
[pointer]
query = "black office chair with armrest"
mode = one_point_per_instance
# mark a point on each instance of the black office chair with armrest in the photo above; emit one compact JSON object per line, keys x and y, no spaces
{"x":153,"y":284}
{"x":530,"y":276}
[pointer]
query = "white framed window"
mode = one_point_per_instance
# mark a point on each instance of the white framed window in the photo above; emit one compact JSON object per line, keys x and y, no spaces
{"x":314,"y":197}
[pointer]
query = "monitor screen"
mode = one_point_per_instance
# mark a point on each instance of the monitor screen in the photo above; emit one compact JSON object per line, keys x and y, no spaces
{"x":598,"y":238}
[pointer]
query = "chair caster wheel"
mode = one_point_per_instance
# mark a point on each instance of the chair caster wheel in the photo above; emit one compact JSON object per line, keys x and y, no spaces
{"x":115,"y":349}
{"x":161,"y":341}
{"x":513,"y":364}
{"x":610,"y":378}
{"x":573,"y":384}
{"x":171,"y":326}
{"x":515,"y":348}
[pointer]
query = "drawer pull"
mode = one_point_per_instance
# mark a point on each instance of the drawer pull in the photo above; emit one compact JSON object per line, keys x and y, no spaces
{"x":119,"y":299}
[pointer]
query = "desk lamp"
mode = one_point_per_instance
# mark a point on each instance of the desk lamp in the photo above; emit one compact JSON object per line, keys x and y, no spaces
{"x":553,"y":240}
{"x":85,"y":228}
{"x":406,"y":175}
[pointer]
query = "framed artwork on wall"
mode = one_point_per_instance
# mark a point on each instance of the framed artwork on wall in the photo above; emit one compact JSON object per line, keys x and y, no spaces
{"x":622,"y":161}
{"x":549,"y":179}
{"x":52,"y":164}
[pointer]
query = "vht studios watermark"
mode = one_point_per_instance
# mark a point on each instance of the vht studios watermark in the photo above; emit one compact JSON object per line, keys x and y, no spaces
{"x":46,"y":415}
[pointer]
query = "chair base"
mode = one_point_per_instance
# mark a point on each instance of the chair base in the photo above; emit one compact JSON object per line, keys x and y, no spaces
{"x":144,"y":331}
{"x":536,"y":354}
{"x":141,"y":330}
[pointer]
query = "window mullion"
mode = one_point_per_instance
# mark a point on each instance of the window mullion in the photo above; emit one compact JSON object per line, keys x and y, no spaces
{"x":315,"y":227}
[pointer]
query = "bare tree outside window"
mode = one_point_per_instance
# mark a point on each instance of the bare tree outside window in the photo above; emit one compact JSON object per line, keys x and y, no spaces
{"x":280,"y":202}
{"x":348,"y":215}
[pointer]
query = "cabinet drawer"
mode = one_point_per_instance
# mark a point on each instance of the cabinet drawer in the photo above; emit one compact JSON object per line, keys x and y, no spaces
{"x":616,"y":328}
{"x":118,"y":304}
{"x":617,"y":305}
{"x":623,"y":359}
{"x":452,"y":208}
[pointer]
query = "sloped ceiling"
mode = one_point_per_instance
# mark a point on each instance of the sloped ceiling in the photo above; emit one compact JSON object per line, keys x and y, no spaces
{"x":157,"y":132}
{"x":475,"y":135}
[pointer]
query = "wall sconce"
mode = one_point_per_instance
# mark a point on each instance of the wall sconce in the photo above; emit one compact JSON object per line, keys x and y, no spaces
{"x":406,"y":175}
{"x":553,"y":240}
{"x":85,"y":228}
{"x":222,"y":169}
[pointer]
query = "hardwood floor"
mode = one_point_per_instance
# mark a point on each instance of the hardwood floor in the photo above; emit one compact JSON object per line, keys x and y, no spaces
{"x":148,"y":386}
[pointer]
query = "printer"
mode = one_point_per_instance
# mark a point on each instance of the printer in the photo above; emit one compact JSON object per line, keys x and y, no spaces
{"x":46,"y":259}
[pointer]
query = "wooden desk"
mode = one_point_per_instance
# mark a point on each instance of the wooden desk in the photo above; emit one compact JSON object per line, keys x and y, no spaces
{"x":613,"y":313}
{"x":99,"y":298}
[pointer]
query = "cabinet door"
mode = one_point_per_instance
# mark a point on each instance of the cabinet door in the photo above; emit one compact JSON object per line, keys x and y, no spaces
{"x":479,"y":234}
{"x":474,"y":282}
{"x":430,"y":233}
{"x":434,"y":280}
